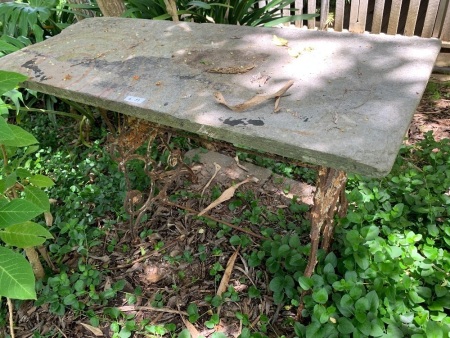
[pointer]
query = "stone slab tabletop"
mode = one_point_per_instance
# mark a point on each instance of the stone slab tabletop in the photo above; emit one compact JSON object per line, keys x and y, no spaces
{"x":349,"y":108}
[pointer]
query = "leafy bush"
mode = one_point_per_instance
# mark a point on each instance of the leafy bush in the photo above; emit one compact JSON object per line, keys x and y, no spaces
{"x":249,"y":13}
{"x":21,"y":200}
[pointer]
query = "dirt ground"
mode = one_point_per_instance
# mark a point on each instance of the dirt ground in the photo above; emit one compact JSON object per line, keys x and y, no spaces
{"x":165,"y":283}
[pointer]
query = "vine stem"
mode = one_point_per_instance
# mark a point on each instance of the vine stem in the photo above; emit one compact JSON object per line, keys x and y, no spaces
{"x":11,"y":319}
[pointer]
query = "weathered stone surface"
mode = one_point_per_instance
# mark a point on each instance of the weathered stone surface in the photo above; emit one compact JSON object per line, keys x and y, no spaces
{"x":349,"y":108}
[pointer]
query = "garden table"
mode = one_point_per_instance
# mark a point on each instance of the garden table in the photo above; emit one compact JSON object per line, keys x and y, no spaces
{"x":345,"y":105}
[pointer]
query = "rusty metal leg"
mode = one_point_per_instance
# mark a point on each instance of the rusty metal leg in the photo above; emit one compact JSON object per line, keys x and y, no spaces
{"x":329,"y":199}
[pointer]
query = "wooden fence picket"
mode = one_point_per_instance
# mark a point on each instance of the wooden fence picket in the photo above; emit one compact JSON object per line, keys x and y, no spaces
{"x":411,"y":19}
{"x":430,"y":18}
{"x":383,"y":16}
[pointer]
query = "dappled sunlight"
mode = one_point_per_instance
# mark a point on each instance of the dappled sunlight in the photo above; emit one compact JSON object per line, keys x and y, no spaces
{"x":352,"y":98}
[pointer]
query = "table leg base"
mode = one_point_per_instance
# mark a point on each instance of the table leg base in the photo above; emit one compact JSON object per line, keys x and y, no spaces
{"x":329,"y":200}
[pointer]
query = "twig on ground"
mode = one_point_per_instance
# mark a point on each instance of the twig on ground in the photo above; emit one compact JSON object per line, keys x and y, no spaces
{"x":248,"y":232}
{"x":150,"y":308}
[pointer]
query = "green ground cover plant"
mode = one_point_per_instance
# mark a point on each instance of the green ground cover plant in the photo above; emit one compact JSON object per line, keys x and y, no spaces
{"x":387,"y":274}
{"x":386,"y":277}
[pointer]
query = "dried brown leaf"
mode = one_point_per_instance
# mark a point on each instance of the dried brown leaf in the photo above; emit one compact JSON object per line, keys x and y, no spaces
{"x":255,"y":100}
{"x":226,"y":195}
{"x":191,"y":328}
{"x":95,"y":330}
{"x":48,"y":218}
{"x":227,"y":273}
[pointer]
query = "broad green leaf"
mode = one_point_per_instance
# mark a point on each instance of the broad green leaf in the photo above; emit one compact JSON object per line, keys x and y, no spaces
{"x":320,"y":296}
{"x":346,"y":305}
{"x":219,"y":335}
{"x":296,"y":260}
{"x":365,"y":327}
{"x":25,"y":235}
{"x":16,"y":276}
{"x":377,"y":328}
{"x":7,"y":47}
{"x":235,"y":240}
{"x":41,"y":181}
{"x":184,"y":334}
{"x":345,"y":326}
{"x":394,"y":332}
{"x":362,"y":258}
{"x":5,"y":131}
{"x":22,"y":138}
{"x":23,"y":173}
{"x":306,"y":283}
{"x":361,"y":308}
{"x":370,"y":232}
{"x":294,"y":241}
{"x":373,"y":299}
{"x":415,"y":298}
{"x":10,"y":80}
{"x":16,"y":97}
{"x":331,"y":259}
{"x":440,"y":290}
{"x":313,"y":329}
{"x":277,"y":284}
{"x":17,"y":211}
{"x":37,"y":197}
{"x":284,"y":250}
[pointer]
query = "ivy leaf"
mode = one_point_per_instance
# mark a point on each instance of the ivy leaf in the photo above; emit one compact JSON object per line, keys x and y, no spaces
{"x":345,"y":326}
{"x":346,"y":305}
{"x":370,"y":232}
{"x":306,"y":283}
{"x":331,"y":259}
{"x":377,"y":328}
{"x":361,"y":307}
{"x":372,"y":298}
{"x":415,"y":298}
{"x":361,"y":258}
{"x":320,"y":296}
{"x":434,"y":330}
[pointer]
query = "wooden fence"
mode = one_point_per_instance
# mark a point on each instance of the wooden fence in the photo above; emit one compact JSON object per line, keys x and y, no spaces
{"x":426,"y":18}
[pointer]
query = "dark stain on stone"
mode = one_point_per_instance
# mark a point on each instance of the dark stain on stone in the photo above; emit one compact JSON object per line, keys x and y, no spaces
{"x":38,"y":73}
{"x":187,"y":77}
{"x":243,"y":122}
{"x":165,"y":104}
